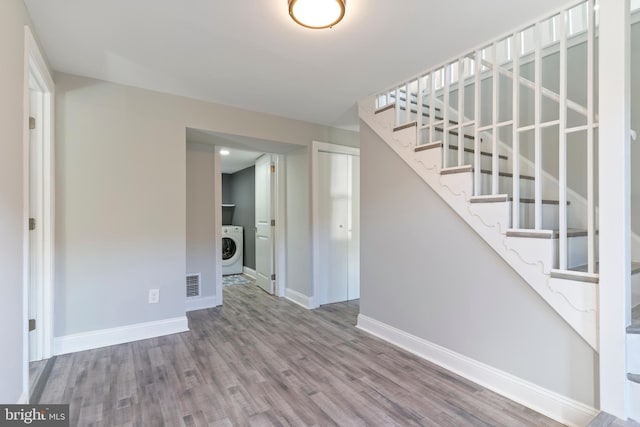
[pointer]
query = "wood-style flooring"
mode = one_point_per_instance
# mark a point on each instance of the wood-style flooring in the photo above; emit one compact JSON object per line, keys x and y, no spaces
{"x":264,"y":361}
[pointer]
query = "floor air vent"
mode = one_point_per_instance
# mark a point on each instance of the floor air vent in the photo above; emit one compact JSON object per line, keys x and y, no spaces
{"x":193,"y":285}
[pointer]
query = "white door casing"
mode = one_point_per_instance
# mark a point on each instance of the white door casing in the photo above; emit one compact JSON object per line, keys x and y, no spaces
{"x":264,"y":235}
{"x":39,"y":184}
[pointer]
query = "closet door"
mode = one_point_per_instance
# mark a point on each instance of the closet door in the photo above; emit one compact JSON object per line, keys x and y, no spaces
{"x":338,"y":252}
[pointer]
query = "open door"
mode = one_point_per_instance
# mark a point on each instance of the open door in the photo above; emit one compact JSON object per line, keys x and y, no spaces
{"x":264,"y":227}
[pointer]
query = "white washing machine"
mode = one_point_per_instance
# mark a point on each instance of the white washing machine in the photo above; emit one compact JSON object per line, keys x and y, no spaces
{"x":232,"y":241}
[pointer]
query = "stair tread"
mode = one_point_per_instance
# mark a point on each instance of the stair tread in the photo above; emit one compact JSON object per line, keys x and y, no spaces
{"x":635,"y":268}
{"x":545,"y":234}
{"x":634,"y":377}
{"x":577,"y":276}
{"x":499,"y":198}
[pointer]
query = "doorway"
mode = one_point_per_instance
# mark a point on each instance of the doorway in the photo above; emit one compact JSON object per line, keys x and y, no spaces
{"x":336,"y":223}
{"x":259,"y":177}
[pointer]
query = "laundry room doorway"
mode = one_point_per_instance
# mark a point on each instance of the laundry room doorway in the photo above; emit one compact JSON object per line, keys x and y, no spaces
{"x":252,"y":207}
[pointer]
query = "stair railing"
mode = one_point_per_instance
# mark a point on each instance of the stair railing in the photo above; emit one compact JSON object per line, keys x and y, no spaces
{"x":441,"y":84}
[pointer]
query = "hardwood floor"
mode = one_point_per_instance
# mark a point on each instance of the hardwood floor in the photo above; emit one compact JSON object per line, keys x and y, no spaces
{"x":263,"y":361}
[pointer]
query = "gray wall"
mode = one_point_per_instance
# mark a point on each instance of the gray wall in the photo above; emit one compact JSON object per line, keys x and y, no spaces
{"x":227,"y":198}
{"x":424,"y":271}
{"x":200,"y":226}
{"x":13,"y":17}
{"x":299,"y":221}
{"x":121,"y":195}
{"x":243,"y":193}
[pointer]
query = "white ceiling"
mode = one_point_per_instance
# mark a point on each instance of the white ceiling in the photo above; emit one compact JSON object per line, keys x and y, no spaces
{"x":238,"y":160}
{"x":250,"y":54}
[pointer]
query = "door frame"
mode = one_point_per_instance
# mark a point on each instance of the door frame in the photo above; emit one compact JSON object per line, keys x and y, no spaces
{"x":316,"y":148}
{"x":36,"y":72}
{"x":279,"y":232}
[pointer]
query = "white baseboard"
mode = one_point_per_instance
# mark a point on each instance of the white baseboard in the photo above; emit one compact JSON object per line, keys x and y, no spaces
{"x":249,"y":272}
{"x":298,"y":298}
{"x":24,"y":398}
{"x":120,"y":335}
{"x":549,"y":403}
{"x":200,"y":303}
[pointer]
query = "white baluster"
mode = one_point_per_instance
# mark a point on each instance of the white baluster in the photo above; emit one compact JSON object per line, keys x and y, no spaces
{"x":515,"y":160}
{"x":562,"y":146}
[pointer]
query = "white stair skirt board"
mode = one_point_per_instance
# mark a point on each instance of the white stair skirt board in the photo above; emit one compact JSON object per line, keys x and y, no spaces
{"x":249,"y":272}
{"x":120,"y":335}
{"x":547,"y":402}
{"x":633,"y":354}
{"x":635,"y":289}
{"x":298,"y":298}
{"x":532,"y":259}
{"x":200,"y":303}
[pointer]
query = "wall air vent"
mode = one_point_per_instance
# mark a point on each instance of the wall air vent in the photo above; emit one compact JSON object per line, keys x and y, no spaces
{"x":193,"y":285}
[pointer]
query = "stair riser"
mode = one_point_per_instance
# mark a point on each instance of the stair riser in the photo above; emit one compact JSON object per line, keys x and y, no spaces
{"x":577,"y":251}
{"x":550,"y":217}
{"x":633,"y":353}
{"x":505,"y":186}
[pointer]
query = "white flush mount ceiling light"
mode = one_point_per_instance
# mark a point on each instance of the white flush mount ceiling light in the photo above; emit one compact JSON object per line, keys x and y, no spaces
{"x":224,"y":152}
{"x":317,"y":14}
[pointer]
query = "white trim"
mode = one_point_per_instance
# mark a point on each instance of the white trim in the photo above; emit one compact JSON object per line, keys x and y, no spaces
{"x":317,"y":147}
{"x":299,"y":298}
{"x":217,"y":223}
{"x":280,"y":232}
{"x":37,"y":71}
{"x":120,"y":335}
{"x":547,"y":402}
{"x":200,"y":303}
{"x":249,"y":271}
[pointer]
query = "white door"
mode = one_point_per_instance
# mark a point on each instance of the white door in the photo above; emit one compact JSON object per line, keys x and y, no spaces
{"x":338,"y":232}
{"x":264,"y":235}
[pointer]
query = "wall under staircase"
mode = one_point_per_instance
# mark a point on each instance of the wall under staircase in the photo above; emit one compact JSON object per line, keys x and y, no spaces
{"x":437,"y":289}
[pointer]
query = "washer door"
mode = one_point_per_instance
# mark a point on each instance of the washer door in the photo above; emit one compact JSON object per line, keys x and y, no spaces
{"x":229,"y":251}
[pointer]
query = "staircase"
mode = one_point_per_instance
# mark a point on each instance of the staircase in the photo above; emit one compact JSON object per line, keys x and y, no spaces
{"x":507,"y":135}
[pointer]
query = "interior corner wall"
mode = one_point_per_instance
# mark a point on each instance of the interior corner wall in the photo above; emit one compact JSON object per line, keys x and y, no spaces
{"x":426,"y":272}
{"x":298,"y":211}
{"x":201,"y":244}
{"x":13,"y":17}
{"x":121,"y":196}
{"x":243,"y":191}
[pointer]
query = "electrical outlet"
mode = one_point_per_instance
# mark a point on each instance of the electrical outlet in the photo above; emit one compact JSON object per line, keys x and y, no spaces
{"x":154,"y":296}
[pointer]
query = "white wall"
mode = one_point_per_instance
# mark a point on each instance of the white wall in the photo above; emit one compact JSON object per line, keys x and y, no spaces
{"x":121,"y":196}
{"x":13,"y":17}
{"x":299,"y":221}
{"x":201,"y":211}
{"x":424,"y":271}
